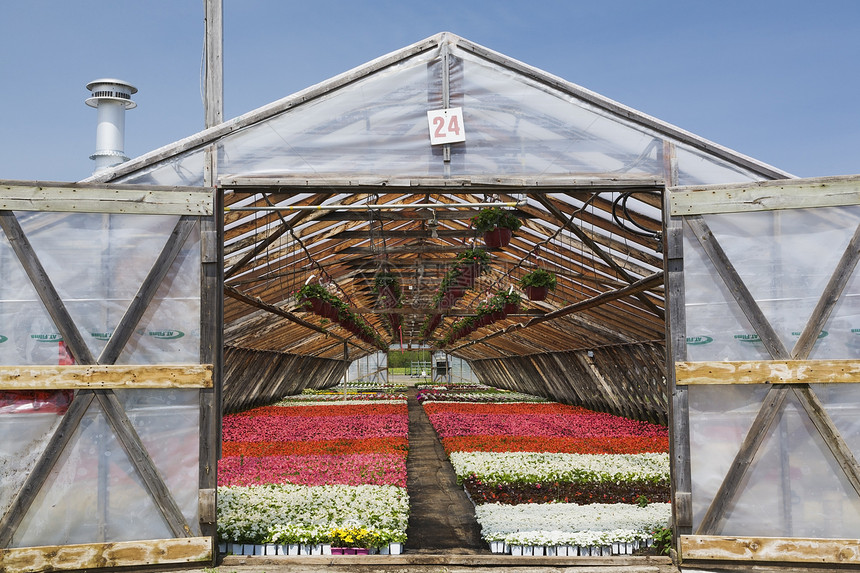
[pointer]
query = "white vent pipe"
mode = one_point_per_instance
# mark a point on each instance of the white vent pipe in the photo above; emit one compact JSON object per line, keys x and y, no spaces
{"x":111,"y":98}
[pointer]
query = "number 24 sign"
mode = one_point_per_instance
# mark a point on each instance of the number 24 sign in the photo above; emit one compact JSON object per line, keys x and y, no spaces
{"x":446,"y":125}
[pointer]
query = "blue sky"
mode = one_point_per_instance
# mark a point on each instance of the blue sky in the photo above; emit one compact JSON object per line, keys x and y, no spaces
{"x":773,"y":79}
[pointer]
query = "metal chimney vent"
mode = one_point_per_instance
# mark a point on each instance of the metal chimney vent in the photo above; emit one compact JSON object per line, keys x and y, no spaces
{"x":111,"y":98}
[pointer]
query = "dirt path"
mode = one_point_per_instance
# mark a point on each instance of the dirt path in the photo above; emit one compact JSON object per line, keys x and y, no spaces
{"x":441,"y":519}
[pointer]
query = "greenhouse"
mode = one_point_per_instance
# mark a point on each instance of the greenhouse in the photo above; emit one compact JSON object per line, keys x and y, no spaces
{"x":522,"y":231}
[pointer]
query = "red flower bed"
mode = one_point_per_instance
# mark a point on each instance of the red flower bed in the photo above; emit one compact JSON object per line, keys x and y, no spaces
{"x":286,"y":428}
{"x":502,"y":408}
{"x":354,"y":469}
{"x":590,"y":425}
{"x":343,"y":444}
{"x":314,"y":447}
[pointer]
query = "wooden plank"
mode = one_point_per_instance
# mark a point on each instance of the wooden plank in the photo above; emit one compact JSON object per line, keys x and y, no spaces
{"x":676,"y":350}
{"x":768,"y":372}
{"x":91,"y":556}
{"x":770,"y":549}
{"x":736,"y":286}
{"x":340,"y":183}
{"x":89,"y":198}
{"x":80,"y":376}
{"x":765,"y":195}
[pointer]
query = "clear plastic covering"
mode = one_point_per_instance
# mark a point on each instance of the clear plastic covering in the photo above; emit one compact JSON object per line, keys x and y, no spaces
{"x":97,"y":263}
{"x":785,"y":258}
{"x":779,"y":256}
{"x":94,"y":489}
{"x":514,"y":124}
{"x":794,"y":487}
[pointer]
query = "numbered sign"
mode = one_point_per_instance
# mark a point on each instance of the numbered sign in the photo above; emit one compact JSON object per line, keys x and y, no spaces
{"x":446,"y":126}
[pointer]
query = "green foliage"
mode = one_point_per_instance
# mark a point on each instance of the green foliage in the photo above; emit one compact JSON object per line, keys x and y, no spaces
{"x":493,"y":217}
{"x":539,"y":278}
{"x":663,"y":540}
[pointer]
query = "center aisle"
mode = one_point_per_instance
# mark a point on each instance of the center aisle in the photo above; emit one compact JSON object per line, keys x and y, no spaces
{"x":441,"y":516}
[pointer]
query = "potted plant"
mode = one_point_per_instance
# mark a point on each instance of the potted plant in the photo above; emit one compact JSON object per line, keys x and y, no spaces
{"x":538,"y":283}
{"x":512,"y":301}
{"x":471,"y":263}
{"x":316,"y":298}
{"x":497,"y":225}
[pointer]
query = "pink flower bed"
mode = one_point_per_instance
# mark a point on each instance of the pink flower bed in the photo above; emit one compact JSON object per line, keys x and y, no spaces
{"x":342,"y":444}
{"x":353,"y":469}
{"x":288,"y":428}
{"x":594,"y":424}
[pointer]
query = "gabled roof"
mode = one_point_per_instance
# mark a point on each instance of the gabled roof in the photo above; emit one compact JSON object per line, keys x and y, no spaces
{"x":585,"y":173}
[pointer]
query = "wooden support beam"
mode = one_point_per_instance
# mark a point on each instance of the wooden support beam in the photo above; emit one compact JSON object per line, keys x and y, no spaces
{"x":92,"y":556}
{"x":81,"y":376}
{"x":770,"y":549}
{"x":595,"y":248}
{"x":768,"y":372}
{"x":765,"y":195}
{"x":640,"y":285}
{"x":100,"y":198}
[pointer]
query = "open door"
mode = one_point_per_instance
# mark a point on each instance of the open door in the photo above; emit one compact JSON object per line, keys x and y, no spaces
{"x":109,"y":358}
{"x":764,"y":349}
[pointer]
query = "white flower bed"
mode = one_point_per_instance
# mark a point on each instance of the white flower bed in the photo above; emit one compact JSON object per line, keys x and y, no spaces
{"x":249,"y":514}
{"x":570,"y":525}
{"x":532,"y":467}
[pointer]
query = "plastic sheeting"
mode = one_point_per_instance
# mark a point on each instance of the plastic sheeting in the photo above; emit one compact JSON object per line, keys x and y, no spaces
{"x":780,"y":257}
{"x":97,"y":263}
{"x":514,"y":123}
{"x":95,"y":495}
{"x":785,"y":258}
{"x":794,"y":487}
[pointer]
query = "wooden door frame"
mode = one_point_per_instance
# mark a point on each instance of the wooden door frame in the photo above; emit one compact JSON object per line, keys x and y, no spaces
{"x":94,"y":379}
{"x":787,"y":372}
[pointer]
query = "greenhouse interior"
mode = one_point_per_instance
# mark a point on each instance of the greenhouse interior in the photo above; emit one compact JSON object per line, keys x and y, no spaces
{"x":508,"y":226}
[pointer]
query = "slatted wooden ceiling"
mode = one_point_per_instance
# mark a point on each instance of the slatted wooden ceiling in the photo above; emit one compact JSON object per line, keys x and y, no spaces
{"x":609,"y":269}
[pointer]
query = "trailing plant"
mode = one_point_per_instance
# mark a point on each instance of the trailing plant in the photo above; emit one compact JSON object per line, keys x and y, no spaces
{"x":493,"y":217}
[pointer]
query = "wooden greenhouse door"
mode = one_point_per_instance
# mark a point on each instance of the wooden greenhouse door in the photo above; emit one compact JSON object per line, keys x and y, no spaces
{"x":764,"y":316}
{"x":109,"y":341}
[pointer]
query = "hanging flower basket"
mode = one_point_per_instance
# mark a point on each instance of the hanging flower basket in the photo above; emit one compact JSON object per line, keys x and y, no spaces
{"x":537,"y":293}
{"x":498,"y":237}
{"x":497,"y":225}
{"x":538,"y":283}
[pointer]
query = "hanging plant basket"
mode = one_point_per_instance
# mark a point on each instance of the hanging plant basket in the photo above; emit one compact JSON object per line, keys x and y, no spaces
{"x":498,"y":237}
{"x":497,"y":225}
{"x":511,"y":308}
{"x":537,"y":293}
{"x":538,"y":283}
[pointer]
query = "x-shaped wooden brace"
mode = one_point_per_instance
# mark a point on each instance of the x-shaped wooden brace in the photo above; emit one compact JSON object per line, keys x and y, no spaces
{"x":114,"y":412}
{"x":776,"y":395}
